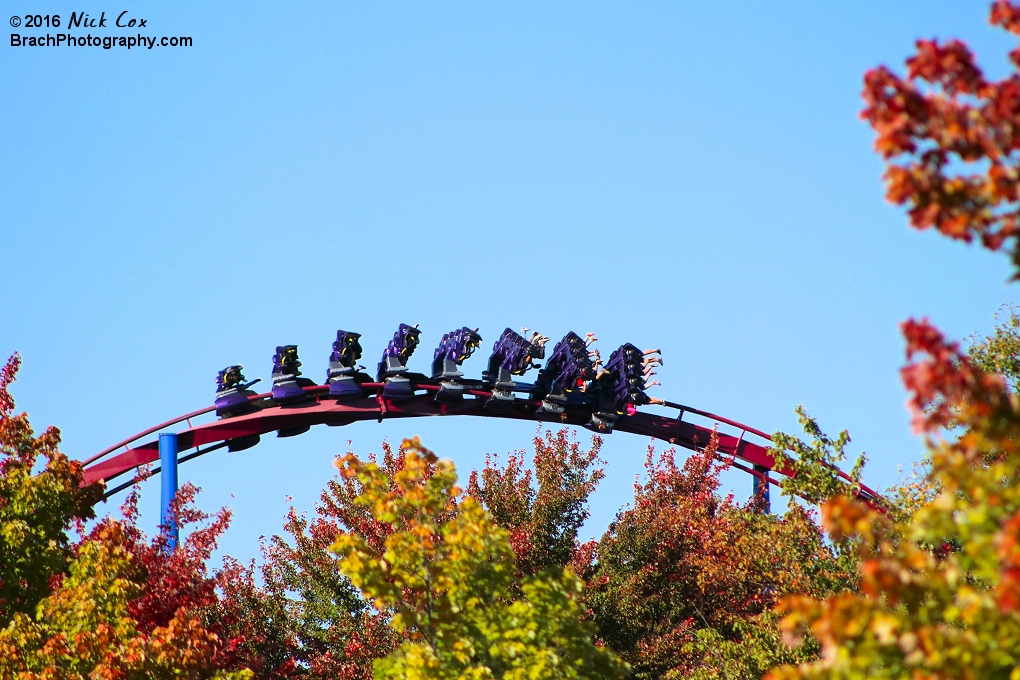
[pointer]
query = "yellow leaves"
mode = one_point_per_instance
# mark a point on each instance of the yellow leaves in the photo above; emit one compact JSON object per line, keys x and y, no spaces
{"x":886,"y":628}
{"x":84,"y":630}
{"x":936,"y":599}
{"x":843,"y":517}
{"x":37,"y":507}
{"x":349,"y":465}
{"x":445,"y":572}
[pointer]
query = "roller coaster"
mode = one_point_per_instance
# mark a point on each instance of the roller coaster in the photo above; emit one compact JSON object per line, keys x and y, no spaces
{"x":574,"y":387}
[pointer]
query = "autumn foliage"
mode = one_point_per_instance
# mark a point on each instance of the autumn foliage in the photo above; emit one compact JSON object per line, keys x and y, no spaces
{"x":939,"y":593}
{"x":444,"y":575}
{"x":37,"y":509}
{"x":684,"y":580}
{"x":111,"y":605}
{"x":542,"y":509}
{"x":682,"y":583}
{"x":400,"y":573}
{"x":951,"y":138}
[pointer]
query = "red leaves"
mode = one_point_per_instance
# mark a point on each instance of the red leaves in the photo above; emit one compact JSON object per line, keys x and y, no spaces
{"x":178,"y":579}
{"x":893,"y":110}
{"x":369,"y":639}
{"x":944,"y":113}
{"x":945,"y":386}
{"x":8,"y":375}
{"x":544,"y":518}
{"x":936,"y":382}
{"x":950,"y":65}
{"x":682,"y":563}
{"x":1006,"y":15}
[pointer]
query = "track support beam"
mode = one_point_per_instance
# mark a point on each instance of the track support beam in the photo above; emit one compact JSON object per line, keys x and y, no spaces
{"x":168,"y":476}
{"x":762,"y":487}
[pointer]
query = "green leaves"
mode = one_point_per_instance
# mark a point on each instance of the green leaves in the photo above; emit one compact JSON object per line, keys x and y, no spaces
{"x":685,"y":580}
{"x":84,"y":629}
{"x":36,"y":509}
{"x":90,"y":610}
{"x":939,"y":594}
{"x":1000,"y":353}
{"x":445,"y":572}
{"x":814,"y":467}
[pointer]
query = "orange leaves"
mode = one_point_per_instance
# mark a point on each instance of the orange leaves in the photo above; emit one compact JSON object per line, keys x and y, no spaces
{"x":950,"y":65}
{"x":844,"y":517}
{"x":1007,"y":592}
{"x":1006,"y":15}
{"x":83,"y":630}
{"x":939,"y":594}
{"x":951,"y":138}
{"x":112,"y":606}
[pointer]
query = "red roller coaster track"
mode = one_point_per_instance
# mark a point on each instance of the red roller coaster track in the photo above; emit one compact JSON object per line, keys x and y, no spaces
{"x":298,"y":418}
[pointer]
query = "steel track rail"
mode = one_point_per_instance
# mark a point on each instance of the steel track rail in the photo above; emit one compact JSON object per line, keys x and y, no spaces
{"x":219,"y":433}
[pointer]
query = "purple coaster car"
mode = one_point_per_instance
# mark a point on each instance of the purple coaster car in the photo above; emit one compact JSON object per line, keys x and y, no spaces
{"x":232,"y":393}
{"x":393,"y":365}
{"x":343,"y":375}
{"x":287,"y":386}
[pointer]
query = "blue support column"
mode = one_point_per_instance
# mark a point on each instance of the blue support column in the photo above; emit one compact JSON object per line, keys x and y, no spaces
{"x":762,"y":487}
{"x":168,"y":475}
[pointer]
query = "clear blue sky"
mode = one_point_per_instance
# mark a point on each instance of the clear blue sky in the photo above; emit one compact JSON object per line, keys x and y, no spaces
{"x":690,"y":176}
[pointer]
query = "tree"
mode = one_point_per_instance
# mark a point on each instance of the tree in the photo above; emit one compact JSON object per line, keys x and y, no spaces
{"x":685,"y":580}
{"x":543,"y":521}
{"x":36,"y":510}
{"x":173,"y":579}
{"x":306,"y":618}
{"x":445,"y":571}
{"x":940,"y":584}
{"x":258,"y":621}
{"x":814,"y":466}
{"x":950,"y":139}
{"x":1000,"y":353}
{"x":111,"y":604}
{"x":940,"y":593}
{"x":85,"y":628}
{"x":279,"y":636}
